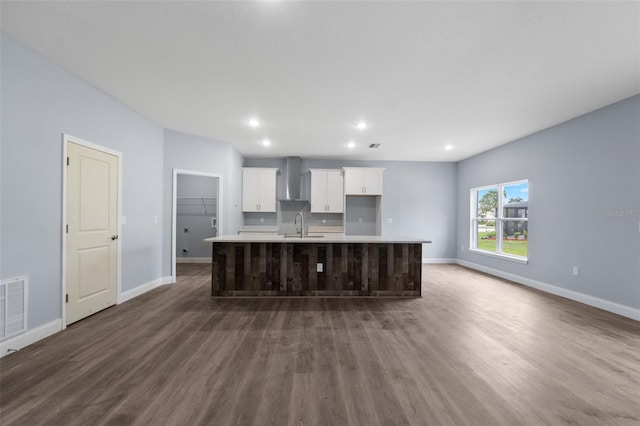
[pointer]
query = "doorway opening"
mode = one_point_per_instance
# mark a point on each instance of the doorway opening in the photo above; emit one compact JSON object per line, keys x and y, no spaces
{"x":197,"y":214}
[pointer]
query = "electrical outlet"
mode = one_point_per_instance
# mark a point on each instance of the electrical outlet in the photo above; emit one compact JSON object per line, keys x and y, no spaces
{"x":575,"y":271}
{"x":124,"y":220}
{"x":262,"y":220}
{"x":155,"y":219}
{"x":319,"y":267}
{"x":360,"y":219}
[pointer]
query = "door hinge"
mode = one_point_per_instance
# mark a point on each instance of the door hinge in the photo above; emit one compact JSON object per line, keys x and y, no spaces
{"x":66,"y":299}
{"x":67,"y":229}
{"x":67,"y":161}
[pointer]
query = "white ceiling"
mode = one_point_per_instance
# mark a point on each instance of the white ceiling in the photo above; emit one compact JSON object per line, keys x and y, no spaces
{"x":422,"y":74}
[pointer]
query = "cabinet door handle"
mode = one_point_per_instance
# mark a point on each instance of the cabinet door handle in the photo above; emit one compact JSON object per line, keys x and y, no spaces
{"x":114,"y":237}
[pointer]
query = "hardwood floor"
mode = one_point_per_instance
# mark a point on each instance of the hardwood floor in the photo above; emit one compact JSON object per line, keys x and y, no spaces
{"x":475,"y":350}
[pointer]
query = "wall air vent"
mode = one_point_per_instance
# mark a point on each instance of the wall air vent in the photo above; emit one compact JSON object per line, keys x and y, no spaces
{"x":13,"y":306}
{"x":374,"y":145}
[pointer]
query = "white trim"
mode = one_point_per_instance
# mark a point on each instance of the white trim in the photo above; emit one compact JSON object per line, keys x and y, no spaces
{"x":499,"y":226}
{"x":143,"y":288}
{"x":495,"y":185}
{"x":430,"y":260}
{"x":473,"y":234}
{"x":174,"y":194}
{"x":517,"y":259}
{"x":616,"y":308}
{"x":65,"y":140}
{"x":193,"y":260}
{"x":29,"y":337}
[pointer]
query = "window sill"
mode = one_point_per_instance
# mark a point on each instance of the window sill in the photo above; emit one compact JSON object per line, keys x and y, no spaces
{"x":511,"y":258}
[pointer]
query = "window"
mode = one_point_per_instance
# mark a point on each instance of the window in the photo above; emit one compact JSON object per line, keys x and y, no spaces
{"x":499,"y":219}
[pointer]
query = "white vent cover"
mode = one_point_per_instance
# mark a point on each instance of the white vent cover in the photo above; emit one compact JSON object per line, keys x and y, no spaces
{"x":13,"y":306}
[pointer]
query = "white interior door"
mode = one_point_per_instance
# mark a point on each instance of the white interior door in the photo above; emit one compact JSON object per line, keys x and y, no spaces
{"x":92,"y":210}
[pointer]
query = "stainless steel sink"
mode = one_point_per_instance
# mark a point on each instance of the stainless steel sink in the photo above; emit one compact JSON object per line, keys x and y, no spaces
{"x":302,"y":238}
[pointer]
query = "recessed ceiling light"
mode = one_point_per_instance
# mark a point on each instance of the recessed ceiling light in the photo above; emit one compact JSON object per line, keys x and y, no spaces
{"x":448,"y":147}
{"x":351,"y":144}
{"x":266,"y":142}
{"x":361,"y":125}
{"x":253,"y":122}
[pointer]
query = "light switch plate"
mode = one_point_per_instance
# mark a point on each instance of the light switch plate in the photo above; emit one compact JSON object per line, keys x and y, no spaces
{"x":319,"y":267}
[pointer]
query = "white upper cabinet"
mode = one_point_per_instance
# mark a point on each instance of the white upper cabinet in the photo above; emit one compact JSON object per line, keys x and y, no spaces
{"x":327,"y":194}
{"x":362,"y":180}
{"x":258,"y":189}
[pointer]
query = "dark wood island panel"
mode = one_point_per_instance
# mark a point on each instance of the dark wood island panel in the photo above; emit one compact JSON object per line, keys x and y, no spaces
{"x":291,"y":269}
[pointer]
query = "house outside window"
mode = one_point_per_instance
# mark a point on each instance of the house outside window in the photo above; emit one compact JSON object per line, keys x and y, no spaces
{"x":500,"y":220}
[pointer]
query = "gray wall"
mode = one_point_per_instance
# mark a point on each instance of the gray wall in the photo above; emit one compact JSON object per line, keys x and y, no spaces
{"x":196,"y":207}
{"x":361,"y":215}
{"x":40,"y":102}
{"x":578,"y":171}
{"x":188,"y":152}
{"x":419,"y":197}
{"x":583,"y":174}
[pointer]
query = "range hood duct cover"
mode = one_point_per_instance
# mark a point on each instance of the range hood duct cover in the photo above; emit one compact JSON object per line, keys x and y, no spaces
{"x":293,"y":178}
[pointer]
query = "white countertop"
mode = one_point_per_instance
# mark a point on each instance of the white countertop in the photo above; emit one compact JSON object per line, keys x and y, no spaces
{"x":244,"y":238}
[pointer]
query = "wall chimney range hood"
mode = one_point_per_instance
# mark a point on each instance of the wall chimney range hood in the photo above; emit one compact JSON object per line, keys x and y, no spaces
{"x":292,"y":178}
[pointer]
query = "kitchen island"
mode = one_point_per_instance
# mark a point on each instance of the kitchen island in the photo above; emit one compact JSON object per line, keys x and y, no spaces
{"x":278,"y":265}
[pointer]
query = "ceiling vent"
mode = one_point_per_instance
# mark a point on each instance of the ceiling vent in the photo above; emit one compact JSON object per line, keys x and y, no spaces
{"x":374,"y":145}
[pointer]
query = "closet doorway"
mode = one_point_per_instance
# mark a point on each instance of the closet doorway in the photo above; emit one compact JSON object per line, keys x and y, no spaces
{"x":197,"y":214}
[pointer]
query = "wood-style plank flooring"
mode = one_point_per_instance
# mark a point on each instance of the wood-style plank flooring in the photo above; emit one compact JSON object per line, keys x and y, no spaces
{"x":475,"y":350}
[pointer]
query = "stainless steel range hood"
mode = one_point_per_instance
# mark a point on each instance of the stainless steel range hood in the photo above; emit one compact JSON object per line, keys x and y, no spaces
{"x":292,"y":178}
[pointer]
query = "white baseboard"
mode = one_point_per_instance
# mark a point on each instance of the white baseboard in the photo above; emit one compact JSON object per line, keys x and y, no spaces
{"x":438,"y":260}
{"x":141,"y":289}
{"x":30,"y":336}
{"x":193,"y":260}
{"x":606,"y":305}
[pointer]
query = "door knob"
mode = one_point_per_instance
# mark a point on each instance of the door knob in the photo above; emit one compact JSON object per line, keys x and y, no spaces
{"x":114,"y":237}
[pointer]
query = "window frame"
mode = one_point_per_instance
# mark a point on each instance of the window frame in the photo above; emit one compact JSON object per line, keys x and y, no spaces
{"x":499,"y":219}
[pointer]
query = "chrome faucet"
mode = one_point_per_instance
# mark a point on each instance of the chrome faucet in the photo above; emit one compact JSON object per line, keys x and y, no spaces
{"x":295,"y":222}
